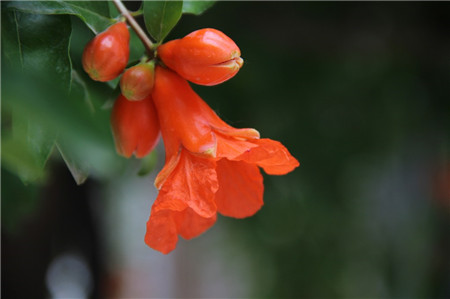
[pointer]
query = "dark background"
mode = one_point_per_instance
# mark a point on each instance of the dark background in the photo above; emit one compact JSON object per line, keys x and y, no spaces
{"x":360,"y":95}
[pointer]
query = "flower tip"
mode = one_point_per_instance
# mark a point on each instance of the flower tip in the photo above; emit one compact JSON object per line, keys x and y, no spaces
{"x":239,"y":61}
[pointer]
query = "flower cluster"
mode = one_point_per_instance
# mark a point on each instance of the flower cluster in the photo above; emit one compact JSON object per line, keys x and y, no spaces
{"x":211,"y":167}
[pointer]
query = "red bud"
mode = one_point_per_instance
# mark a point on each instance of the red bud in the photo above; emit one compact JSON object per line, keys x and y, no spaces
{"x":205,"y":57}
{"x":135,"y":126}
{"x":106,"y":55}
{"x":137,"y":82}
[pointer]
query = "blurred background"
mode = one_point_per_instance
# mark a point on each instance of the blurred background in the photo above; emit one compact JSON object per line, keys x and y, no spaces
{"x":360,"y":95}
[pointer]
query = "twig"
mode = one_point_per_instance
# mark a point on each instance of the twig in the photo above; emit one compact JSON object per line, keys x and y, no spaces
{"x":140,"y":33}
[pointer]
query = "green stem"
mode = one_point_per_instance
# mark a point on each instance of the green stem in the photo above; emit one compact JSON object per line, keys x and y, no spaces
{"x":133,"y":24}
{"x":136,"y":13}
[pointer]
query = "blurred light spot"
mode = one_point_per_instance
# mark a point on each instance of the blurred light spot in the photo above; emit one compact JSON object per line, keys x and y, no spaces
{"x":68,"y":276}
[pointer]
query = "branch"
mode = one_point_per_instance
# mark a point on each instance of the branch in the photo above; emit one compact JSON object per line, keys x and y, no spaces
{"x":140,"y":33}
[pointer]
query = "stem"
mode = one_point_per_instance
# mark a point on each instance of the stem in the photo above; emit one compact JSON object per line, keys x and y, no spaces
{"x":140,"y":33}
{"x":136,"y":13}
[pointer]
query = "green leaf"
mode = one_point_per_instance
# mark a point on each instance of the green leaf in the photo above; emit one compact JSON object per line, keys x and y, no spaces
{"x":79,"y":169}
{"x":161,"y":16}
{"x":95,"y":14}
{"x":86,"y":134}
{"x":38,"y":43}
{"x":80,"y":90}
{"x":20,"y":159}
{"x":28,"y":145}
{"x":18,"y":201}
{"x":137,"y":49}
{"x":197,"y":7}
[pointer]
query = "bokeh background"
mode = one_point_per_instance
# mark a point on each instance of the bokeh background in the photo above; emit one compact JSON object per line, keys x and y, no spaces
{"x":360,"y":95}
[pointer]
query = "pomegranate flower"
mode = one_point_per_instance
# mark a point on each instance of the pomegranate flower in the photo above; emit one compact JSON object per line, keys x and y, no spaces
{"x":210,"y":166}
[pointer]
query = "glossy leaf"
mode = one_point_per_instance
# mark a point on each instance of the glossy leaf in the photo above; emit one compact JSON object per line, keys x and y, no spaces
{"x":38,"y":43}
{"x":161,"y":16}
{"x":197,"y":7}
{"x":94,"y":13}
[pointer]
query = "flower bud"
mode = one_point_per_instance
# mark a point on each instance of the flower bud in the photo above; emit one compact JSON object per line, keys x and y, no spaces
{"x":135,"y":126}
{"x":137,"y":82}
{"x":205,"y":57}
{"x":106,"y":55}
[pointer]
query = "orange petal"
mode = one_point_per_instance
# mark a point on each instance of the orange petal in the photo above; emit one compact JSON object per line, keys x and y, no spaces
{"x":271,"y":155}
{"x":246,"y":133}
{"x":169,"y":166}
{"x":232,"y":148}
{"x":164,"y":226}
{"x":194,"y":182}
{"x":190,"y":224}
{"x":161,"y":232}
{"x":241,"y":188}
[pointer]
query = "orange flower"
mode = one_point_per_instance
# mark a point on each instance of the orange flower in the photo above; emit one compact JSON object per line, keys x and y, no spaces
{"x":210,"y":166}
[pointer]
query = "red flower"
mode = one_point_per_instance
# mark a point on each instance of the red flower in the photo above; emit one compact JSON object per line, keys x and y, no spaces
{"x":210,"y":166}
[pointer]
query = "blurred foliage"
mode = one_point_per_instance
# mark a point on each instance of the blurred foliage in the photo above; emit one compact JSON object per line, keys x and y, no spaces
{"x":358,"y":92}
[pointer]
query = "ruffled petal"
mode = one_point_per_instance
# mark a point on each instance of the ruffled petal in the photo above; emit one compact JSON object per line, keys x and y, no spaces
{"x":231,"y":148}
{"x":271,"y":155}
{"x":194,"y":182}
{"x":165,"y":225}
{"x":169,"y":166}
{"x":241,"y":188}
{"x":161,"y":232}
{"x":190,"y":224}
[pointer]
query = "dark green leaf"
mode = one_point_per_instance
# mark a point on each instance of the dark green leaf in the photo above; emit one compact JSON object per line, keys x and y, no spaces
{"x":161,"y":16}
{"x":85,"y":133}
{"x":196,"y":7}
{"x":137,"y":49}
{"x":11,"y":51}
{"x":20,"y":159}
{"x":38,"y":43}
{"x":94,"y":13}
{"x":28,"y":144}
{"x":18,"y":201}
{"x":80,"y":90}
{"x":113,"y":12}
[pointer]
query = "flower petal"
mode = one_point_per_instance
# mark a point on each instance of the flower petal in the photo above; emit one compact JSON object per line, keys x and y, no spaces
{"x":190,"y":224}
{"x":165,"y":225}
{"x":241,"y":188}
{"x":161,"y":232}
{"x":194,"y":182}
{"x":169,"y":166}
{"x":232,"y":148}
{"x":271,"y":155}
